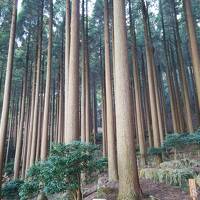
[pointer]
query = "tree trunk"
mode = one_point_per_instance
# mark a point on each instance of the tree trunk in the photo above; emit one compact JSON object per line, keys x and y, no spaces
{"x":44,"y":147}
{"x":183,"y":80}
{"x":36,"y":106}
{"x":194,"y":49}
{"x":129,"y":187}
{"x":94,"y":109}
{"x":87,"y":82}
{"x":111,"y":135}
{"x":18,"y":150}
{"x":137,"y":90}
{"x":146,"y":103}
{"x":67,"y":51}
{"x":151,"y":82}
{"x":73,"y":89}
{"x":83,"y":86}
{"x":7,"y":87}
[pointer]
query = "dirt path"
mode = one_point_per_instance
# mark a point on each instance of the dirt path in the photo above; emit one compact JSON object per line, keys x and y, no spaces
{"x":162,"y":191}
{"x":158,"y":190}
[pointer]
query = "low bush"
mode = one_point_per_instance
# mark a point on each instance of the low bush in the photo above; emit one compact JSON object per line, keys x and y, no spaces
{"x":10,"y":189}
{"x":175,"y":172}
{"x":62,"y":171}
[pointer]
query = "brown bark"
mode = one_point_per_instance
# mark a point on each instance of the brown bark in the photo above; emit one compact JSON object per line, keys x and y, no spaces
{"x":44,"y":147}
{"x":36,"y":97}
{"x":194,"y":49}
{"x":19,"y":144}
{"x":129,"y":187}
{"x":137,"y":90}
{"x":67,"y":51}
{"x":151,"y":82}
{"x":183,"y":80}
{"x":7,"y":87}
{"x":94,"y":110}
{"x":61,"y":106}
{"x":83,"y":86}
{"x":31,"y":115}
{"x":146,"y":103}
{"x":18,"y":151}
{"x":87,"y":82}
{"x":111,"y":135}
{"x":73,"y":89}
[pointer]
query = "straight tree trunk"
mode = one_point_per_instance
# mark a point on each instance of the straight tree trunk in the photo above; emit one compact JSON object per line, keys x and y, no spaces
{"x":87,"y":82}
{"x":7,"y":87}
{"x":67,"y":51}
{"x":146,"y":103}
{"x":111,"y":135}
{"x":83,"y":86}
{"x":151,"y":82}
{"x":29,"y":142}
{"x":44,"y":146}
{"x":129,"y":187}
{"x":137,"y":90}
{"x":73,"y":89}
{"x":194,"y":49}
{"x":94,"y":109}
{"x":18,"y":151}
{"x":183,"y":79}
{"x":170,"y":83}
{"x":36,"y":106}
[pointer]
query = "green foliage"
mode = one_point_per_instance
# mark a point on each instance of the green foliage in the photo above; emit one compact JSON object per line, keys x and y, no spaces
{"x":10,"y":189}
{"x":183,"y":163}
{"x":179,"y":141}
{"x":176,"y":172}
{"x":155,"y":151}
{"x":62,"y":171}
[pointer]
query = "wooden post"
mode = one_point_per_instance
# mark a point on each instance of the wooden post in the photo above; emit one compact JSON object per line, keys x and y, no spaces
{"x":193,"y":189}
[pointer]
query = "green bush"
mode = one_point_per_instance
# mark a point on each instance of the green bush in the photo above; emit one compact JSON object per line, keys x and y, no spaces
{"x":10,"y":189}
{"x":156,"y":151}
{"x":176,"y":172}
{"x":179,"y":141}
{"x":62,"y":171}
{"x":175,"y":177}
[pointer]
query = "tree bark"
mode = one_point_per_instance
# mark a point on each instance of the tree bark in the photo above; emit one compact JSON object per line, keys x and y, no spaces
{"x":67,"y":51}
{"x":44,"y":147}
{"x":7,"y":87}
{"x":129,"y":187}
{"x":73,"y":89}
{"x":137,"y":90}
{"x":111,"y":135}
{"x":36,"y":104}
{"x":151,"y":82}
{"x":194,"y":49}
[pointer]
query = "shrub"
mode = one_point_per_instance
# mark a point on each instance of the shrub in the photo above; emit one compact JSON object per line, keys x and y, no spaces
{"x":179,"y":141}
{"x":176,"y":172}
{"x":62,"y":171}
{"x":175,"y":177}
{"x":10,"y":189}
{"x":156,"y":151}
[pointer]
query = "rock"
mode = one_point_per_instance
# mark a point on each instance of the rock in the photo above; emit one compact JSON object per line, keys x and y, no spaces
{"x":42,"y":196}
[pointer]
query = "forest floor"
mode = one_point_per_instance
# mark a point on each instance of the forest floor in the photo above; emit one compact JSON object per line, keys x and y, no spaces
{"x":157,"y":190}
